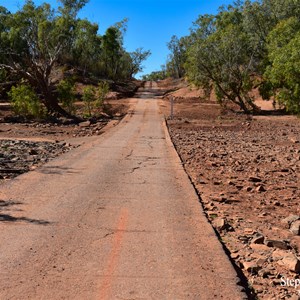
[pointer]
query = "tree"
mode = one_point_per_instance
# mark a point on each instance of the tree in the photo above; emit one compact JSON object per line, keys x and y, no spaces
{"x":282,"y":76}
{"x":156,"y":75}
{"x":260,"y":18}
{"x":86,"y":46}
{"x":113,"y":51}
{"x":246,"y":45}
{"x":72,"y":7}
{"x":177,"y":58}
{"x":116,"y":62}
{"x":272,"y":25}
{"x":32,"y":41}
{"x":222,"y":58}
{"x":137,"y":57}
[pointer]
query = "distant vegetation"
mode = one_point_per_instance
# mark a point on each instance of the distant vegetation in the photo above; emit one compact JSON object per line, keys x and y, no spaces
{"x":155,"y":76}
{"x":247,"y":45}
{"x":36,"y":41}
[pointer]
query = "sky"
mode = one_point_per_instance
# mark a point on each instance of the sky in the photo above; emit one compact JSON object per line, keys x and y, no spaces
{"x":151,"y":23}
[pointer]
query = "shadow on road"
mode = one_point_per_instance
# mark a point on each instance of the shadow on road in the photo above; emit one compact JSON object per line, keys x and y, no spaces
{"x":5,"y":217}
{"x":56,"y":170}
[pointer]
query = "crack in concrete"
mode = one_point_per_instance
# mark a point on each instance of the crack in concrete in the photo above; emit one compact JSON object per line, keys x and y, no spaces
{"x":129,"y":155}
{"x":108,"y":234}
{"x":149,"y":143}
{"x":134,"y":169}
{"x":142,"y":164}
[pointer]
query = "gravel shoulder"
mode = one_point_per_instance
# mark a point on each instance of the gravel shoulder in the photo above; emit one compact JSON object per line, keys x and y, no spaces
{"x":247,"y":172}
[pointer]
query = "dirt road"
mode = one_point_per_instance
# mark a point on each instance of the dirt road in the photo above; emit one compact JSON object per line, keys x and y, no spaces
{"x":114,"y":219}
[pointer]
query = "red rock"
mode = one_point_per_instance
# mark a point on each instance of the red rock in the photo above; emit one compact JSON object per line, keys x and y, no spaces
{"x":292,"y":263}
{"x":295,"y":227}
{"x":251,"y":267}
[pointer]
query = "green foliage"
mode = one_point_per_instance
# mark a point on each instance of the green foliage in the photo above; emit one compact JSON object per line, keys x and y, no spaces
{"x":37,"y":38}
{"x":115,"y":62}
{"x":136,"y":59}
{"x":33,"y":40}
{"x":177,"y":58}
{"x":112,"y":51}
{"x":89,"y":99}
{"x":283,"y":73}
{"x":222,"y":58}
{"x":155,"y":76}
{"x":25,"y":102}
{"x":66,"y":94}
{"x":94,"y":98}
{"x":245,"y":45}
{"x":72,"y":7}
{"x":86,"y":46}
{"x":102,"y":91}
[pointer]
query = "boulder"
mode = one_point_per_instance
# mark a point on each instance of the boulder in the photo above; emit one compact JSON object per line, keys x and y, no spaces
{"x":251,"y":267}
{"x":258,"y":239}
{"x":295,"y":227}
{"x":84,"y":124}
{"x":277,"y":244}
{"x":292,"y":263}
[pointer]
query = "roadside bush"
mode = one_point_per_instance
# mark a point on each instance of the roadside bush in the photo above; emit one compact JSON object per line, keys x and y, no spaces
{"x":66,"y":94}
{"x":103,"y":89}
{"x":282,"y":75}
{"x":89,"y":99}
{"x":25,"y":101}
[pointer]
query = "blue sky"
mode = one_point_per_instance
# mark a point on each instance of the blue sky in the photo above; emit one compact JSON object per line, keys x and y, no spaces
{"x":151,"y":22}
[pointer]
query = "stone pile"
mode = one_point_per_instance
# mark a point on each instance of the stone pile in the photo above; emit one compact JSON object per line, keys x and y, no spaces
{"x":18,"y":156}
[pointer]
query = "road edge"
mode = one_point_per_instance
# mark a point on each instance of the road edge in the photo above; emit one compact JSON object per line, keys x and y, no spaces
{"x":242,"y":283}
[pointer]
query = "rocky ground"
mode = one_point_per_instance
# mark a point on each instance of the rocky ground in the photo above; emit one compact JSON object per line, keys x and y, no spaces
{"x":27,"y":145}
{"x":247,"y":172}
{"x":19,"y":156}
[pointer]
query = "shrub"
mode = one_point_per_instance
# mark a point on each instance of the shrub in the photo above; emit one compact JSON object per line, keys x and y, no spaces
{"x":103,"y":89}
{"x":25,"y":101}
{"x":89,"y":99}
{"x":66,"y":94}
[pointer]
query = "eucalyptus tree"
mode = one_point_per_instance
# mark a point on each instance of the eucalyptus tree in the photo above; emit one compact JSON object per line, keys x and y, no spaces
{"x":113,"y":49}
{"x":273,"y":26}
{"x":116,"y":62}
{"x":177,"y":57}
{"x":222,"y":57}
{"x":137,"y":57}
{"x":33,"y":39}
{"x":86,"y":46}
{"x":282,"y":75}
